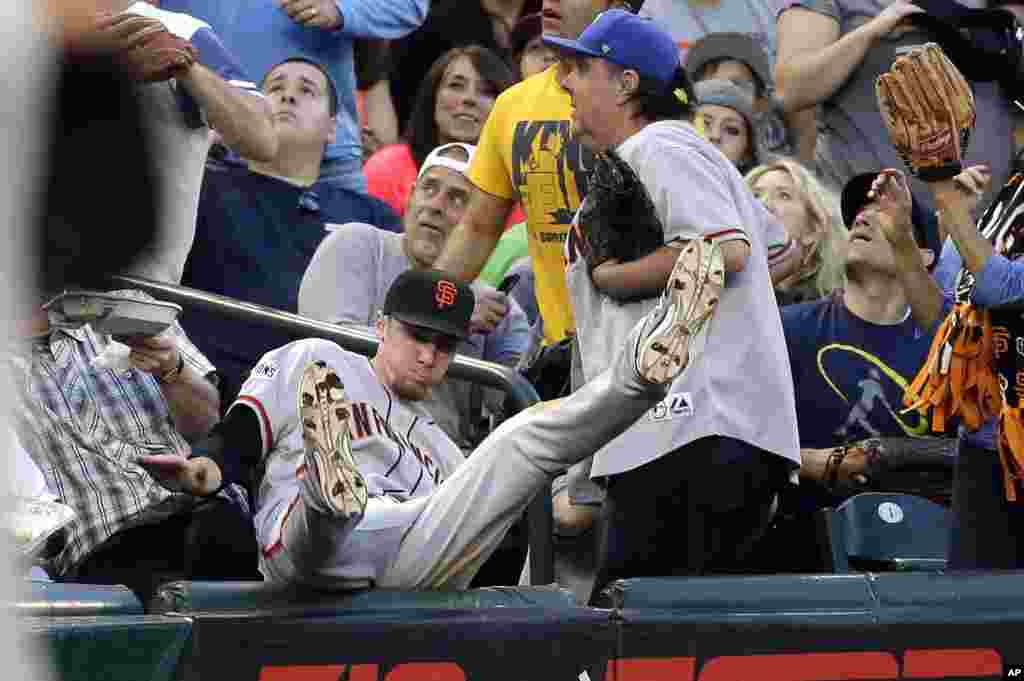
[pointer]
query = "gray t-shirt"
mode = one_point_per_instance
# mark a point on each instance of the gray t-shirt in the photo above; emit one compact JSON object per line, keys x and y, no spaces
{"x":688,"y":23}
{"x":852,"y":138}
{"x":346,"y":283}
{"x":740,"y":386}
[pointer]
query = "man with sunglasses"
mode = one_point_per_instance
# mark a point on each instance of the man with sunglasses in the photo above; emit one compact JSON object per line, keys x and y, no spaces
{"x":361,"y":487}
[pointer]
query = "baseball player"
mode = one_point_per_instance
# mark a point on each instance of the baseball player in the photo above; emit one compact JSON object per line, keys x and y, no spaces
{"x":361,"y":486}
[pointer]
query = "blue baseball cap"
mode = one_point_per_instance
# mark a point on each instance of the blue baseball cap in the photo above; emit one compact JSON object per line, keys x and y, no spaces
{"x":628,"y":40}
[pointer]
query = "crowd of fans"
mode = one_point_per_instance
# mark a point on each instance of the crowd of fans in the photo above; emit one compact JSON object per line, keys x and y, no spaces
{"x":318,"y":150}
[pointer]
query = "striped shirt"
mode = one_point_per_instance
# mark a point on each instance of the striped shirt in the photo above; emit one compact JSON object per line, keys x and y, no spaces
{"x":84,"y":427}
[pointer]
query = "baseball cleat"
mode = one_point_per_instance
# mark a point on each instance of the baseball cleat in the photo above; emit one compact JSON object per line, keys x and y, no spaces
{"x":337,"y":483}
{"x":690,"y":298}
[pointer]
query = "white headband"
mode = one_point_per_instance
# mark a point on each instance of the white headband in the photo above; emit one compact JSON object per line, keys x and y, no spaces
{"x":435,"y":158}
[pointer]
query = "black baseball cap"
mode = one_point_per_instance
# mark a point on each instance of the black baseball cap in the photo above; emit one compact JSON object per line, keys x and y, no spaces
{"x":433,"y":300}
{"x":855,"y":197}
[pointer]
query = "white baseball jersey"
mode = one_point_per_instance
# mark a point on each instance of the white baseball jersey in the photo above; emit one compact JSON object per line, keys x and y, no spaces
{"x":402,"y":454}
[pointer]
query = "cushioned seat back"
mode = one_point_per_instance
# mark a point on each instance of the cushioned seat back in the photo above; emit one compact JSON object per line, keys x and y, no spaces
{"x":768,"y":593}
{"x":50,"y":599}
{"x":878,"y":528}
{"x":190,"y":598}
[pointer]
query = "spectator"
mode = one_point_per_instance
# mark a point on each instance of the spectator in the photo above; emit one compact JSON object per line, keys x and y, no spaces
{"x":451,"y":24}
{"x":530,"y":55}
{"x":258,"y":227}
{"x":528,"y":152}
{"x":266,"y":32}
{"x":708,"y":463}
{"x":725,"y":112}
{"x":212,"y":92}
{"x":363,"y":262}
{"x":690,"y":20}
{"x":451,"y":105}
{"x":86,"y":427}
{"x":986,"y":526}
{"x":830,"y":53}
{"x":740,"y":59}
{"x":810,"y":215}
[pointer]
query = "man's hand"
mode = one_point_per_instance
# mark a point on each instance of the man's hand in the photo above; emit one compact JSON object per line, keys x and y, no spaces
{"x":893,"y":203}
{"x":893,"y":20}
{"x":199,"y":476}
{"x":965,"y":190}
{"x":155,"y":355}
{"x":142,"y":45}
{"x":313,"y":13}
{"x":490,"y":309}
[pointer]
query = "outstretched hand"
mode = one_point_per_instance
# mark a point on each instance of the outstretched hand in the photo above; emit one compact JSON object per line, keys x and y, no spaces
{"x":892,"y":200}
{"x":199,"y":476}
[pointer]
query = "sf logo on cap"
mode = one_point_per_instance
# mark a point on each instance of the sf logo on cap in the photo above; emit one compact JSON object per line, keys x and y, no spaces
{"x":445,"y":294}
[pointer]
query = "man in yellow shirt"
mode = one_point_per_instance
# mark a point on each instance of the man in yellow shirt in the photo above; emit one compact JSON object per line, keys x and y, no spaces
{"x":528,"y":153}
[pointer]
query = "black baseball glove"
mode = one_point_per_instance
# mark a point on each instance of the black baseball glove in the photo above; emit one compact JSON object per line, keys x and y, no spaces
{"x":617,"y":218}
{"x":910,"y":465}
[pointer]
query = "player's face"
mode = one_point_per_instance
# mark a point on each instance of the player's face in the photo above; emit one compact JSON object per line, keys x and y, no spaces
{"x":464,"y":100}
{"x":727,"y":130}
{"x":551,"y":17}
{"x":780,"y":195}
{"x":412,"y":359}
{"x":597,"y":111}
{"x":436,"y":205}
{"x":300,"y":103}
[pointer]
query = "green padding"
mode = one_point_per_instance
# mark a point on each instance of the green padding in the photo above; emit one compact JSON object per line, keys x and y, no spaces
{"x":792,"y":593}
{"x":262,"y":598}
{"x":119,"y":648}
{"x":49,"y":599}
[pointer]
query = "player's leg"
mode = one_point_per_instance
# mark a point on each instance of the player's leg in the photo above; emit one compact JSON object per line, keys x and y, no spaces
{"x":332,"y":495}
{"x":468,"y":515}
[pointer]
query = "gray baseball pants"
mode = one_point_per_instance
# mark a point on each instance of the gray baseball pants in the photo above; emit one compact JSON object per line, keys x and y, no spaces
{"x":451,"y":533}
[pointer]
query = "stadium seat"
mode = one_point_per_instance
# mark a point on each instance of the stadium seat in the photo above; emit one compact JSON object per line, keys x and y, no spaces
{"x":882,"y":532}
{"x":193,"y":598}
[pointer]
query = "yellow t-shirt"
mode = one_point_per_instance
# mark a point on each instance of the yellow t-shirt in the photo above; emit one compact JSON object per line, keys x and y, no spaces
{"x":527,"y":152}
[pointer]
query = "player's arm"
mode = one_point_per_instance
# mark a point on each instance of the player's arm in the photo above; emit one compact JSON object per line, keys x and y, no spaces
{"x":648,"y":276}
{"x":229,"y":454}
{"x":233,"y":104}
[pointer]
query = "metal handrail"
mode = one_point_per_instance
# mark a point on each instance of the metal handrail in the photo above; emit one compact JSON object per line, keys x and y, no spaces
{"x":513,"y":384}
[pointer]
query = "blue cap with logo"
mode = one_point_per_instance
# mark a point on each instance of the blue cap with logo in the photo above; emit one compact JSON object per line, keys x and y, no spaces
{"x":628,"y":40}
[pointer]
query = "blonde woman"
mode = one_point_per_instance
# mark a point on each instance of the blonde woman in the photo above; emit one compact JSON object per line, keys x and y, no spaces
{"x":810,"y":214}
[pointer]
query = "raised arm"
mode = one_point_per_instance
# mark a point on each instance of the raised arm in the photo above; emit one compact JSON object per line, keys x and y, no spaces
{"x":233,"y":104}
{"x":814,"y":61}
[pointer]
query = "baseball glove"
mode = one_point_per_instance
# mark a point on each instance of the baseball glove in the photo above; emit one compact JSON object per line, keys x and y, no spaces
{"x":142,"y":46}
{"x":617,"y":218}
{"x":910,"y":465}
{"x":928,"y":109}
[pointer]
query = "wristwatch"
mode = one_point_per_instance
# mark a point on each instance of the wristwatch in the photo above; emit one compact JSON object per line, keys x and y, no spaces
{"x":173,"y":375}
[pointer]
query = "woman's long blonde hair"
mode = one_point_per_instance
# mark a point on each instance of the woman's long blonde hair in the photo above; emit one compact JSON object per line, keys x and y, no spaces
{"x":824,"y":263}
